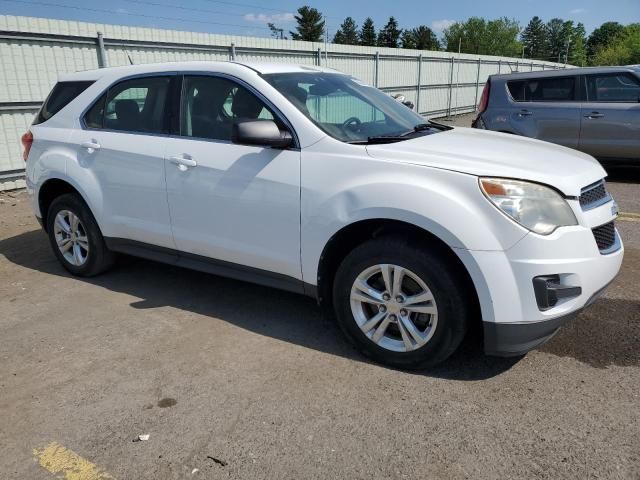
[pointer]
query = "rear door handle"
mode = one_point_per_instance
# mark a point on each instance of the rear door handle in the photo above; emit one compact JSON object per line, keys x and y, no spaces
{"x":91,"y":145}
{"x":525,"y":113}
{"x":594,"y":115}
{"x":183,"y":161}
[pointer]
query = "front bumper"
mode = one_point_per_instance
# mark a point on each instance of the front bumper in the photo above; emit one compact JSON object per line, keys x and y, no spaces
{"x":512,"y":339}
{"x":516,"y":321}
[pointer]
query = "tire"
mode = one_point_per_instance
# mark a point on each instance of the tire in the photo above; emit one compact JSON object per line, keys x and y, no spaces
{"x":440,"y":330}
{"x":93,"y":256}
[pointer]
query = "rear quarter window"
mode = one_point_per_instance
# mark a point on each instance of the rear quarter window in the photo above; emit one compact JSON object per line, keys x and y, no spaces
{"x":551,"y":89}
{"x":62,"y":94}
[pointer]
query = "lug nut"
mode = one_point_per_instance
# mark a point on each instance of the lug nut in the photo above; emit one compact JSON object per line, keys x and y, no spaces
{"x":392,"y":318}
{"x":382,"y":308}
{"x":399,"y":299}
{"x":403,"y":312}
{"x":386,"y":297}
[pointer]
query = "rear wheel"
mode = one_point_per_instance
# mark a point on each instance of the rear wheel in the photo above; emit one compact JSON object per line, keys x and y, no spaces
{"x":75,"y":237}
{"x":400,"y":304}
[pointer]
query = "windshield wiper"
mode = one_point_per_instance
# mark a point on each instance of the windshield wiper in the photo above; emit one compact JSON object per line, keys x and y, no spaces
{"x":397,"y":138}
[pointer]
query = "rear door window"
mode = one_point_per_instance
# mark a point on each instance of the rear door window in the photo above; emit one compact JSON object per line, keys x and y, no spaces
{"x":61,"y":95}
{"x":137,"y":105}
{"x":552,"y":89}
{"x":616,"y":87}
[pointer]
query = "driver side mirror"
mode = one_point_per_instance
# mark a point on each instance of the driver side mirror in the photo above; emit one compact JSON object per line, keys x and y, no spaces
{"x":260,"y":133}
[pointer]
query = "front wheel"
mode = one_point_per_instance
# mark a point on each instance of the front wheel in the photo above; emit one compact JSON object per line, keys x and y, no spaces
{"x":400,"y":304}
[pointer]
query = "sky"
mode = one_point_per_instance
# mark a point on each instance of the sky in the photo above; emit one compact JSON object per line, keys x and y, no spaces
{"x":249,"y":17}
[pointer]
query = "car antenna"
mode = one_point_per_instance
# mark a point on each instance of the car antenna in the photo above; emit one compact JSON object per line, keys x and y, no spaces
{"x":129,"y":57}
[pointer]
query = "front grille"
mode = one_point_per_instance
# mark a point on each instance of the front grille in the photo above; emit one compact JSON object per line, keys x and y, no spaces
{"x":605,"y":235}
{"x":593,"y":195}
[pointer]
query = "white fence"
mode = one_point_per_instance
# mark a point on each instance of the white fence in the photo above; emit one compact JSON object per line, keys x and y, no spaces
{"x":34,"y":51}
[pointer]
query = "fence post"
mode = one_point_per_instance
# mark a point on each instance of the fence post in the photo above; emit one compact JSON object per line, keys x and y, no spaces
{"x":377,"y":69}
{"x":475,"y":103}
{"x":499,"y":66}
{"x":531,"y":69}
{"x":102,"y":53}
{"x":517,"y":65}
{"x":419,"y":87}
{"x":319,"y":57}
{"x":232,"y":51}
{"x":450,"y":85}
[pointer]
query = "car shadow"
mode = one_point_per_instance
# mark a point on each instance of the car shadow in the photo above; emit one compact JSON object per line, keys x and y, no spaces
{"x":623,"y":173}
{"x":298,"y":320}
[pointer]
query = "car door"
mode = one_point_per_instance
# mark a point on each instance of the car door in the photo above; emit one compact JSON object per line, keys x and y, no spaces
{"x":122,"y":142}
{"x":611,"y":116}
{"x":233,"y":203}
{"x":546,"y":108}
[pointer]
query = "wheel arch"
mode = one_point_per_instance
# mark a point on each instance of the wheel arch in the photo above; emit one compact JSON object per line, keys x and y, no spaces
{"x":356,"y":233}
{"x":51,"y":189}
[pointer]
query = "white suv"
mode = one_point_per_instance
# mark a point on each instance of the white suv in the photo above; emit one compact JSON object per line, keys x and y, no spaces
{"x":308,"y":180}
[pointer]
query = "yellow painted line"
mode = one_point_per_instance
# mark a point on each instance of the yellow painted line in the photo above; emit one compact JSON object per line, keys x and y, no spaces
{"x":629,"y":217}
{"x":67,"y":464}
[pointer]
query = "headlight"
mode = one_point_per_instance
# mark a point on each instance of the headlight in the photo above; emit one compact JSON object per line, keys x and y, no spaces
{"x":536,"y":207}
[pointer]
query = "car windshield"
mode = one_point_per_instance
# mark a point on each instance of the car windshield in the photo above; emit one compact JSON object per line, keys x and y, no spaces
{"x":346,"y":108}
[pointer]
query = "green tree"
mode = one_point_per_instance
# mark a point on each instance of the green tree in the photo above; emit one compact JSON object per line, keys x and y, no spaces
{"x":310,"y":26}
{"x":578,"y":47}
{"x":623,"y":49}
{"x":559,"y":35}
{"x":534,"y":40}
{"x":481,"y":37}
{"x":420,"y":38}
{"x":390,"y":34}
{"x":347,"y":34}
{"x":603,"y":36}
{"x":368,"y":33}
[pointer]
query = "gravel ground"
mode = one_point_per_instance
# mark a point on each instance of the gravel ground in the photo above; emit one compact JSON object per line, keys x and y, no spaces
{"x":240,"y":381}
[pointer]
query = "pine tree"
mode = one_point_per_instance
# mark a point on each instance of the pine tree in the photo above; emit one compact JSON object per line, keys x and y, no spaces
{"x":578,"y":47}
{"x":559,"y":35}
{"x":420,"y":38}
{"x":390,"y":34}
{"x":534,"y":40}
{"x":368,"y":33}
{"x":310,"y":26}
{"x":347,"y":34}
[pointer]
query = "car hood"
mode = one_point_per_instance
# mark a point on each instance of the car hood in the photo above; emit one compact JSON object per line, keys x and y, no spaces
{"x":492,"y":154}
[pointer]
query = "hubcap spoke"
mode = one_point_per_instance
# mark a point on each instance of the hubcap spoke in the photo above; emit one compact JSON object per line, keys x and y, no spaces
{"x":373,"y":322}
{"x":62,"y":224}
{"x":379,"y":333}
{"x":405,"y":336}
{"x":398,"y":275}
{"x":386,"y":277}
{"x":366,"y":293}
{"x":408,"y":325}
{"x":73,"y":222}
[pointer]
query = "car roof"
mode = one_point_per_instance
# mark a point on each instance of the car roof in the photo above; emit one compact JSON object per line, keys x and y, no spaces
{"x":129,"y":70}
{"x":563,"y":72}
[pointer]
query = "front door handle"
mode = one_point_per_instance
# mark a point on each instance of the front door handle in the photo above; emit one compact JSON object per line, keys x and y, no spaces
{"x":91,"y":145}
{"x":183,"y":162}
{"x":594,"y":115}
{"x":525,"y":113}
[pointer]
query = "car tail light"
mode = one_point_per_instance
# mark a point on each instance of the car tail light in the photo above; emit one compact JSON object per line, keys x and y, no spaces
{"x":27,"y":141}
{"x":484,"y":99}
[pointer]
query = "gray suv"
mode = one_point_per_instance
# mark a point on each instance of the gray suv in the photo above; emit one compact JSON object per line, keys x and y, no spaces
{"x":595,"y":110}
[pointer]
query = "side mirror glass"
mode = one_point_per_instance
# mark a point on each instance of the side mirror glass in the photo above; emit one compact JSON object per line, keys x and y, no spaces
{"x":260,"y":133}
